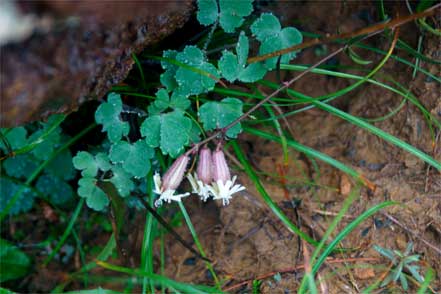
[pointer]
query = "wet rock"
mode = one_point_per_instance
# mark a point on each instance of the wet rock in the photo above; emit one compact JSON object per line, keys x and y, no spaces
{"x":87,"y":50}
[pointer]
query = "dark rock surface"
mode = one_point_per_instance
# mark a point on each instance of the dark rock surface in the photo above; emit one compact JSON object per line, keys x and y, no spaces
{"x":87,"y":50}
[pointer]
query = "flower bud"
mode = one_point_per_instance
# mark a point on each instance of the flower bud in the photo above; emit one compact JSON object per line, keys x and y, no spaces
{"x":175,"y":174}
{"x":221,"y":172}
{"x":204,"y":170}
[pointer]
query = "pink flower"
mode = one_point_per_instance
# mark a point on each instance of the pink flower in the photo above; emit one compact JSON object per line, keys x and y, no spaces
{"x":223,"y":186}
{"x":171,"y":181}
{"x":202,"y":179}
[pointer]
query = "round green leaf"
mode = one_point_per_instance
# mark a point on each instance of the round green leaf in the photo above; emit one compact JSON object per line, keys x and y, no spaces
{"x":229,"y":66}
{"x":16,"y":138}
{"x":242,"y":49}
{"x":207,"y":12}
{"x":288,"y":37}
{"x":108,"y":114}
{"x":200,"y":78}
{"x":217,"y":115}
{"x":95,"y":197}
{"x":91,"y":164}
{"x":232,"y":13}
{"x":19,"y":166}
{"x":61,"y":165}
{"x":135,"y":158}
{"x":24,"y":202}
{"x":122,"y":181}
{"x":267,"y":25}
{"x":58,"y":191}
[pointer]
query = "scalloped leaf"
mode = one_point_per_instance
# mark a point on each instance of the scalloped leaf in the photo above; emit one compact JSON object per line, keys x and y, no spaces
{"x":168,"y":77}
{"x":62,"y":166}
{"x":16,"y":138}
{"x":95,"y":197}
{"x":267,"y":25}
{"x":234,"y":67}
{"x":58,"y":191}
{"x":164,"y":101}
{"x":134,"y":158}
{"x":20,"y":166}
{"x":90,"y":164}
{"x":24,"y":202}
{"x":208,"y":12}
{"x":230,"y":13}
{"x":122,"y":181}
{"x":108,"y":115}
{"x":202,"y":76}
{"x":169,"y":131}
{"x":268,"y":31}
{"x":217,"y":115}
{"x":44,"y":149}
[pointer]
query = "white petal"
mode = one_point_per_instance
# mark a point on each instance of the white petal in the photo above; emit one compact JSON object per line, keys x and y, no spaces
{"x":157,"y":182}
{"x":168,"y":196}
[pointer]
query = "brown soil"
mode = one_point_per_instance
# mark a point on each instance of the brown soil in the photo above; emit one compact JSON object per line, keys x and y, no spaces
{"x":247,"y":241}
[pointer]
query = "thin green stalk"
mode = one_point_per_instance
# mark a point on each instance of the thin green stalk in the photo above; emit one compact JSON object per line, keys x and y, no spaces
{"x":346,"y":204}
{"x":158,"y":280}
{"x":198,"y":244}
{"x":349,"y":228}
{"x":141,"y":71}
{"x":267,"y":198}
{"x":46,"y":133}
{"x":428,"y":277}
{"x":40,"y":168}
{"x":147,"y":242}
{"x":67,"y":232}
{"x":379,"y":51}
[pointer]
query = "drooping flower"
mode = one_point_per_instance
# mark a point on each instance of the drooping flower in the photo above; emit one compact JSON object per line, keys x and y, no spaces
{"x":166,"y":187}
{"x":223,"y":186}
{"x":201,"y":180}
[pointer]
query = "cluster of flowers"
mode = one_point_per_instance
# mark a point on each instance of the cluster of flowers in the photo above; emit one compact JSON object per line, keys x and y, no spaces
{"x":211,"y":179}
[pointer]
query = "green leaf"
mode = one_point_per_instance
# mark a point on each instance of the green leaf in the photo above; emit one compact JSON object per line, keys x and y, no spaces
{"x":229,"y":66}
{"x":108,"y":114}
{"x":217,"y":115}
{"x":168,"y":77}
{"x":61,"y":166}
{"x":195,"y":133}
{"x":44,"y":149}
{"x":200,"y":80}
{"x":25,"y":200}
{"x":58,"y":191}
{"x":268,"y":31}
{"x":169,"y":131}
{"x":135,"y":158}
{"x":95,"y":197}
{"x":232,"y":13}
{"x":14,"y":263}
{"x":98,"y":290}
{"x":122,"y":181}
{"x":208,"y":12}
{"x":267,"y":25}
{"x":90,"y":164}
{"x":234,"y":67}
{"x":19,"y":166}
{"x":163,"y":102}
{"x":16,"y":138}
